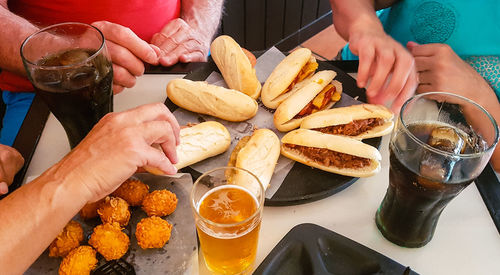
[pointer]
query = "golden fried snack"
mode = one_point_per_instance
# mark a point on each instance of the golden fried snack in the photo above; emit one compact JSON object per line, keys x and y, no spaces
{"x":159,"y":203}
{"x":153,"y":232}
{"x":80,"y":261}
{"x":114,"y":210}
{"x":69,"y":238}
{"x":132,"y":191}
{"x":89,"y":210}
{"x":109,"y":240}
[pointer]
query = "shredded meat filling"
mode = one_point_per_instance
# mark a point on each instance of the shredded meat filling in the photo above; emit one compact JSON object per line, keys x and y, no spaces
{"x":328,"y":157}
{"x":354,"y":128}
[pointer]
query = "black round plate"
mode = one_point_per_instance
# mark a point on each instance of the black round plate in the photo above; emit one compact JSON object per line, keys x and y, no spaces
{"x":303,"y":183}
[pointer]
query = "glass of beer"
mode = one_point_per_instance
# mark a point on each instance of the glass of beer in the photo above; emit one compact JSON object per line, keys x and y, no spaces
{"x":440,"y":144}
{"x":227,"y":203}
{"x":71,"y":70}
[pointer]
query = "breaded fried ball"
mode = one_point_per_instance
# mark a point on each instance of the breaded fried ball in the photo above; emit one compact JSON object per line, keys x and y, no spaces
{"x":109,"y":240}
{"x":132,"y":191}
{"x":80,"y":261}
{"x":114,"y":210}
{"x":159,"y":203}
{"x":68,"y":239}
{"x":89,"y":210}
{"x":153,"y":232}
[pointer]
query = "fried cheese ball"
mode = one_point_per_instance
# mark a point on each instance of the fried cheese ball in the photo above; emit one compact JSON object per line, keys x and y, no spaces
{"x":80,"y":261}
{"x":89,"y":210}
{"x":114,"y":210}
{"x":132,"y":191}
{"x":109,"y":240}
{"x":153,"y":232}
{"x":159,"y":203}
{"x":68,"y":239}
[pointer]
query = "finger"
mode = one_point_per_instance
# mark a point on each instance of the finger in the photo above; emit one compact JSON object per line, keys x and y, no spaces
{"x":160,"y":132}
{"x":384,"y":64}
{"x":400,"y":75}
{"x":159,"y":160}
{"x":127,"y":38}
{"x":117,"y":89}
{"x":424,"y":49}
{"x":366,"y":58}
{"x":174,"y":40}
{"x":151,"y":112}
{"x":122,"y":77}
{"x":197,"y":56}
{"x":424,"y":88}
{"x":4,"y":188}
{"x":426,"y":78}
{"x":171,"y":58}
{"x":424,"y":63}
{"x":124,"y":58}
{"x":407,"y":92}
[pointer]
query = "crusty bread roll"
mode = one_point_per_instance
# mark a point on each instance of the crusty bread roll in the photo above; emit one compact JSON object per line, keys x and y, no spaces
{"x":235,"y":66}
{"x":258,"y":154}
{"x":283,"y":78}
{"x":201,"y":97}
{"x":348,"y":120}
{"x":338,"y":144}
{"x":197,"y":143}
{"x":284,"y":116}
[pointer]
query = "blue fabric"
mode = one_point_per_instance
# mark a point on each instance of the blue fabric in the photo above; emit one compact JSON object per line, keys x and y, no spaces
{"x":469,"y":27}
{"x":17,"y":106}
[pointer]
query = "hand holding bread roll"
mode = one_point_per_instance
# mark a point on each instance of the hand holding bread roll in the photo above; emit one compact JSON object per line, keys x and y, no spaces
{"x":336,"y":154}
{"x":356,"y":121}
{"x":258,"y":154}
{"x":317,"y":93}
{"x":235,"y":66}
{"x":201,"y":97}
{"x":293,"y":69}
{"x":199,"y":142}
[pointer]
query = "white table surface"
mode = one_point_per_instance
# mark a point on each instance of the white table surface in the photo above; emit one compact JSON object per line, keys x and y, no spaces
{"x":465,"y":242}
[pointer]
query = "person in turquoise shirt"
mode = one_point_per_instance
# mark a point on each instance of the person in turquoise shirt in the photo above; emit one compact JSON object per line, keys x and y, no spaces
{"x":451,"y":46}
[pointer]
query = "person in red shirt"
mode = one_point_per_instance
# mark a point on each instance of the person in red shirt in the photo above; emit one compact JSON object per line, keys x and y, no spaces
{"x":156,"y":32}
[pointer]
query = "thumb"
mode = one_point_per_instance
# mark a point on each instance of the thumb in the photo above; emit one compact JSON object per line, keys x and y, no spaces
{"x":4,"y":188}
{"x":410,"y":45}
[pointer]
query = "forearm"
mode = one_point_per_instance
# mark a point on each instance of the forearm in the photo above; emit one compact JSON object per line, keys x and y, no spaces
{"x":352,"y":15}
{"x":32,"y":216}
{"x":13,"y":29}
{"x":203,"y":15}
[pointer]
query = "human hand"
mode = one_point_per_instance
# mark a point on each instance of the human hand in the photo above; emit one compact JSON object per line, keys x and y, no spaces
{"x":118,"y":145}
{"x":441,"y":70}
{"x":178,"y":41}
{"x":386,"y":68}
{"x":11,"y":162}
{"x":127,"y":52}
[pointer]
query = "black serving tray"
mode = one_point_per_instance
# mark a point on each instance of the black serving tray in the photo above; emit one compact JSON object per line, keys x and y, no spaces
{"x":311,"y":249}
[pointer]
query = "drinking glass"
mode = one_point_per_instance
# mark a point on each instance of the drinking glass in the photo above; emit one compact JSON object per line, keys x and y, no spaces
{"x":227,"y":203}
{"x":440,"y":144}
{"x":71,"y":70}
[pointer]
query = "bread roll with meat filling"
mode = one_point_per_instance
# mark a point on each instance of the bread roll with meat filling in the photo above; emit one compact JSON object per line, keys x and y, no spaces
{"x":292,"y":70}
{"x":356,"y":121}
{"x":336,"y":154}
{"x":319,"y":93}
{"x":235,"y":66}
{"x":201,"y":97}
{"x":258,"y":154}
{"x":198,"y":142}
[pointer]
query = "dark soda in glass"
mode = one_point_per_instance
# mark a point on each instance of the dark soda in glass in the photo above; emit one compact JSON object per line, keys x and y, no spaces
{"x":78,"y":95}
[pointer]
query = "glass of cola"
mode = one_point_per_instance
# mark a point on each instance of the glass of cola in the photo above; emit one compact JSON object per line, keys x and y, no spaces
{"x":71,"y":70}
{"x":440,"y":144}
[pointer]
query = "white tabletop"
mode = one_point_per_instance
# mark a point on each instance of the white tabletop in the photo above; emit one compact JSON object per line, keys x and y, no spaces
{"x":465,"y":242}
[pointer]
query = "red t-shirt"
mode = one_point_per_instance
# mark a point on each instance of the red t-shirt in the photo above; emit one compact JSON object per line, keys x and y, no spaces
{"x":145,"y":18}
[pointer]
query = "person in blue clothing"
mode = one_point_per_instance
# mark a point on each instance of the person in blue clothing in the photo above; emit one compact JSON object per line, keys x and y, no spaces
{"x":424,"y":45}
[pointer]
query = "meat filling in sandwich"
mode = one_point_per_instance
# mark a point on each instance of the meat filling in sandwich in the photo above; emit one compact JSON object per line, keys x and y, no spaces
{"x":328,"y":157}
{"x":328,"y":94}
{"x":354,"y":128}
